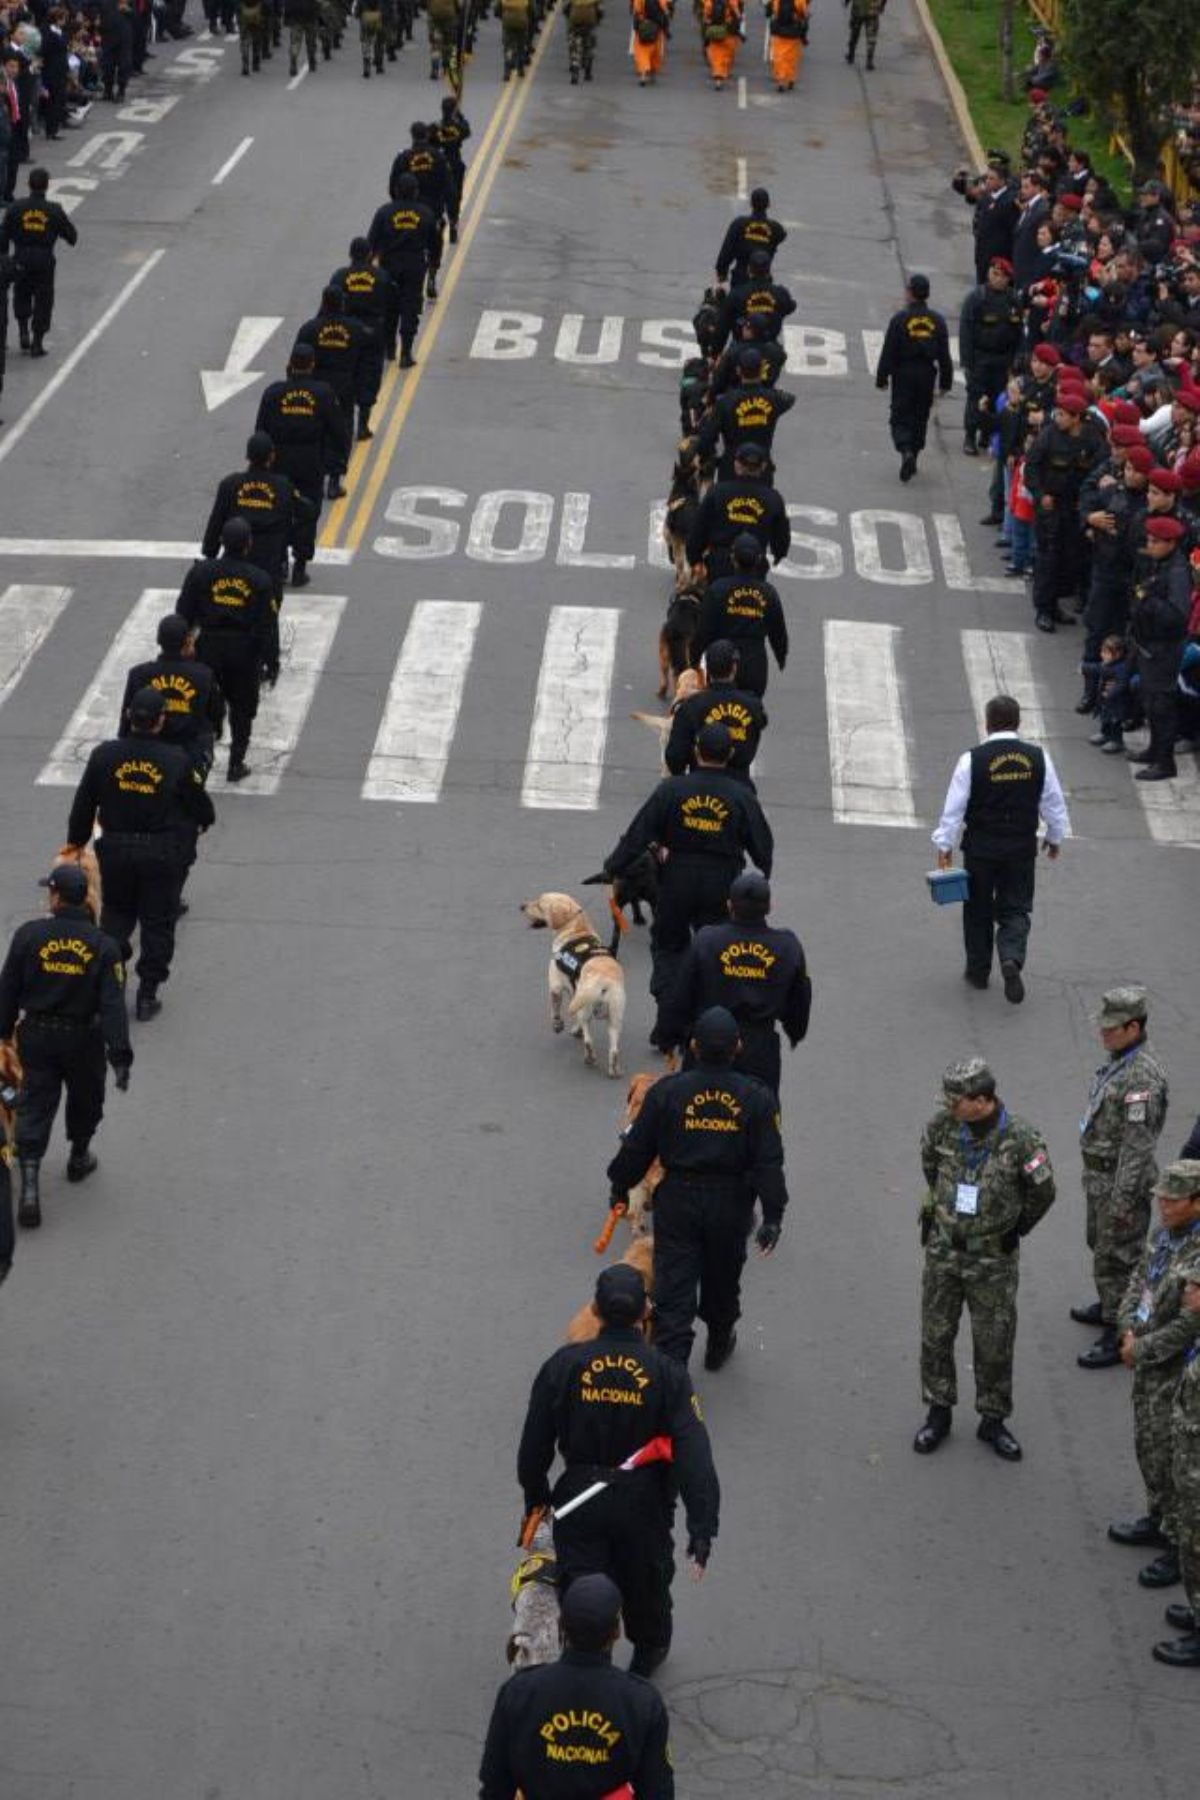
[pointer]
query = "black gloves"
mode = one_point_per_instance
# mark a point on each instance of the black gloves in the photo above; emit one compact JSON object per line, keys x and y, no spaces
{"x":767,"y":1235}
{"x":699,"y":1550}
{"x":1010,"y":1240}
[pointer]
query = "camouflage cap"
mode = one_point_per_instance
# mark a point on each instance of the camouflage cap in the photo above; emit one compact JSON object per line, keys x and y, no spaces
{"x":1180,"y":1180}
{"x":1122,"y":1006}
{"x":968,"y":1079}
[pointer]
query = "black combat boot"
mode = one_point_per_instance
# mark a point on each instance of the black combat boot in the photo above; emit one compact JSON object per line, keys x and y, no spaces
{"x":995,"y":1432}
{"x":300,"y":574}
{"x":1181,"y":1653}
{"x":1103,"y":1353}
{"x":1088,"y":1315}
{"x":1164,"y":1571}
{"x":37,"y":348}
{"x":23,"y":333}
{"x":29,"y":1207}
{"x":148,"y":1005}
{"x":648,"y":1657}
{"x":238,"y":770}
{"x":1144,"y":1532}
{"x":721,"y":1346}
{"x":81,"y":1163}
{"x":932,"y":1432}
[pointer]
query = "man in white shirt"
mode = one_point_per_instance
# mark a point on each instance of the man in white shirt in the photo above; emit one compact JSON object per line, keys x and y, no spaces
{"x":999,"y":791}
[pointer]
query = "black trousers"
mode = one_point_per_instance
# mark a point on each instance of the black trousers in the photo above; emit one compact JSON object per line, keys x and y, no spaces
{"x":8,"y":1236}
{"x":1056,"y":565}
{"x":998,"y":909}
{"x":1107,"y":607}
{"x":141,"y":880}
{"x":405,"y":315}
{"x":912,"y":399}
{"x":1162,"y":716}
{"x":233,"y":659}
{"x":55,"y":1057}
{"x":693,"y":893}
{"x":33,"y":298}
{"x":624,"y":1533}
{"x":700,"y":1233}
{"x":985,"y":380}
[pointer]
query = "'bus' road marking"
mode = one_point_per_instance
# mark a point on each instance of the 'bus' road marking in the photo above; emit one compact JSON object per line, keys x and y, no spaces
{"x":412,"y":747}
{"x":27,"y":616}
{"x":565,"y":759}
{"x":868,"y":745}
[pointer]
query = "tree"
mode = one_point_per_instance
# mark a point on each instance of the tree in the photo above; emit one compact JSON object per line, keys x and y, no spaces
{"x":1137,"y":59}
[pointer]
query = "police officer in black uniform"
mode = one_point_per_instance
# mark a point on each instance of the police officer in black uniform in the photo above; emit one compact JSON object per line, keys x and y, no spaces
{"x":425,"y":162}
{"x":757,"y":296}
{"x":746,"y":414}
{"x":755,"y":230}
{"x":64,"y":980}
{"x":716,"y":1133}
{"x":747,"y":505}
{"x":142,"y":793}
{"x":1056,"y":465}
{"x":272,"y":506}
{"x":340,"y":344}
{"x":598,"y":1403}
{"x":915,"y":356}
{"x":745,"y":609}
{"x":723,"y":702}
{"x":578,"y":1728}
{"x":989,"y":336}
{"x":704,"y":823}
{"x":30,"y":229}
{"x":404,"y":234}
{"x":303,"y":420}
{"x":370,"y":297}
{"x":449,"y":135}
{"x":752,"y":333}
{"x":758,"y":972}
{"x":231,"y":603}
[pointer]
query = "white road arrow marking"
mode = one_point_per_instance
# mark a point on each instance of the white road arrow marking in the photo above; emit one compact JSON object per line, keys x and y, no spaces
{"x":222,"y":384}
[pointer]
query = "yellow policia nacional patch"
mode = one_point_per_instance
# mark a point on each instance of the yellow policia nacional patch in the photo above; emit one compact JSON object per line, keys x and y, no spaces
{"x":53,"y":951}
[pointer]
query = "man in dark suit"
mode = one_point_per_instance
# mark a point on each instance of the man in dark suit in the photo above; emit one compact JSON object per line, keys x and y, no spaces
{"x":1035,"y":207}
{"x":996,"y":208}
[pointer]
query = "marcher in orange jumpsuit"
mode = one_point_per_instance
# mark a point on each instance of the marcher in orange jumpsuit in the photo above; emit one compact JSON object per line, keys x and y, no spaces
{"x":722,"y":18}
{"x":650,"y":30}
{"x":789,"y":33}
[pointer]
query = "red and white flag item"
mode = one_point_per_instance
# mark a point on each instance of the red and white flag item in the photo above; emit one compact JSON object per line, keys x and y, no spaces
{"x":658,"y":1449}
{"x":624,"y":1792}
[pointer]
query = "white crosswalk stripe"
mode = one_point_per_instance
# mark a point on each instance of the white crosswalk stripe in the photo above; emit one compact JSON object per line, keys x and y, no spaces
{"x":96,"y":716}
{"x":307,"y":628}
{"x":998,"y":662}
{"x":868,"y":743}
{"x":570,"y":720}
{"x":413,"y":746}
{"x":1172,"y":808}
{"x":27,"y":616}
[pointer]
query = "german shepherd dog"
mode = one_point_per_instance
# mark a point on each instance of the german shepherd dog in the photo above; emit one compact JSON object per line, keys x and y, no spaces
{"x":690,"y":479}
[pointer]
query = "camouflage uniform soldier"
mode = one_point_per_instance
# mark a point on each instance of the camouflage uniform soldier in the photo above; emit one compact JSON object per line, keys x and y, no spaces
{"x":253,"y":34}
{"x":990,"y":1181}
{"x":1184,"y":1652}
{"x":371,"y":36}
{"x":1156,"y":1334}
{"x":865,"y":16}
{"x":516,"y":32}
{"x":583,"y":16}
{"x":300,"y":17}
{"x":445,"y":24}
{"x":1126,"y":1110}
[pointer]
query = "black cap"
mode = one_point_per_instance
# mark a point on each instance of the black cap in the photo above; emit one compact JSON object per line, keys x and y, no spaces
{"x":760,"y":199}
{"x":753,"y":455}
{"x":235,"y":536}
{"x":147,"y":706}
{"x":589,"y":1610}
{"x":749,"y":359}
{"x":621,"y":1294}
{"x":750,"y":895}
{"x":173,"y":633}
{"x":716,"y":1032}
{"x":259,"y":446}
{"x":714,"y":743}
{"x":407,"y":186}
{"x":746,"y":548}
{"x":68,"y":881}
{"x":918,"y":285}
{"x":303,"y":355}
{"x":720,"y":659}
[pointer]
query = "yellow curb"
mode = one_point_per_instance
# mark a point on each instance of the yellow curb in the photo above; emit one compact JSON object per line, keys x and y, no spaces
{"x":954,"y":87}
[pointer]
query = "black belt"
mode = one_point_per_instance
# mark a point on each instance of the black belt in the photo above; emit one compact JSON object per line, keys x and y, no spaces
{"x":136,"y":837}
{"x":57,"y":1022}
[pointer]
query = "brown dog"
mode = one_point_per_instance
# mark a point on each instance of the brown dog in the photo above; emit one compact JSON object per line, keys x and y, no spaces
{"x":691,"y":681}
{"x":675,"y":638}
{"x":584,"y":979}
{"x":640,"y":1251}
{"x":690,"y":480}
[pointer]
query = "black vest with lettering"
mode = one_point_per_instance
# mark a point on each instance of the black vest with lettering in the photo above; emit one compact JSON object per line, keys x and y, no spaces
{"x":1007,"y":777}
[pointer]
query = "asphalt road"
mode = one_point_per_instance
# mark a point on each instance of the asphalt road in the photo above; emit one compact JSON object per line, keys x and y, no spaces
{"x":261,"y":1379}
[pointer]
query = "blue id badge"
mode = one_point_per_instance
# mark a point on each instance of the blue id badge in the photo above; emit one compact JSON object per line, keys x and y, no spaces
{"x":966,"y":1201}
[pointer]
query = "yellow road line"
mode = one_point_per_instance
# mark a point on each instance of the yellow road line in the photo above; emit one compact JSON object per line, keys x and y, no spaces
{"x":339,"y":513}
{"x":395,"y":425}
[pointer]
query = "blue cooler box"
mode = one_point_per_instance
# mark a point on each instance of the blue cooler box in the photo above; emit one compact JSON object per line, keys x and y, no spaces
{"x":948,"y":887}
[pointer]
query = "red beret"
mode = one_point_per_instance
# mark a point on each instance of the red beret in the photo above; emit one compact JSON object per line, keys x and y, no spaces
{"x":1141,"y":458}
{"x":1072,"y":202}
{"x":1188,"y":397}
{"x":1166,"y":480}
{"x":1165,"y":528}
{"x":1070,"y":402}
{"x":1037,"y":96}
{"x":1127,"y":413}
{"x":1046,"y":353}
{"x":1001,"y":262}
{"x":1125,"y":435}
{"x":1069,"y":376}
{"x":1189,"y":472}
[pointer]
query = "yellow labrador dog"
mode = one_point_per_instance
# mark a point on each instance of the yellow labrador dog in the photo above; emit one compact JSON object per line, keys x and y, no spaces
{"x":584,"y":978}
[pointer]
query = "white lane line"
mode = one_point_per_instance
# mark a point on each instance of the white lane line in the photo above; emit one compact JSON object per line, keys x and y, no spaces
{"x":999,"y":662}
{"x":16,"y":431}
{"x":232,"y":162}
{"x":952,"y":546}
{"x":413,"y":745}
{"x":307,"y":627}
{"x":868,"y":745}
{"x":741,"y":91}
{"x":294,"y":83}
{"x":131,"y":549}
{"x":564,"y":762}
{"x":27,"y":616}
{"x":743,"y":179}
{"x":1172,"y":808}
{"x":96,"y":716}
